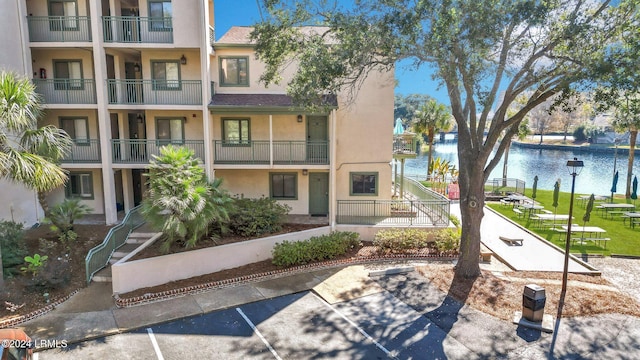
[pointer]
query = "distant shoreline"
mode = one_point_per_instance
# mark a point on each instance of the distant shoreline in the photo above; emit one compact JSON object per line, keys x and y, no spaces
{"x":584,"y":148}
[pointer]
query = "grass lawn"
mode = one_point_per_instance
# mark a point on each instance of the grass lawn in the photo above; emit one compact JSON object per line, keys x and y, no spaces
{"x":624,"y":239}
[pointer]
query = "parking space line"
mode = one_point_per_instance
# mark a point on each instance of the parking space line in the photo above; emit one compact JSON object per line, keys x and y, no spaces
{"x":156,"y":348}
{"x":361,"y":330}
{"x":255,"y":330}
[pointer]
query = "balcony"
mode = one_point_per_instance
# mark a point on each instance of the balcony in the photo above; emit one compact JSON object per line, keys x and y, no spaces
{"x":59,"y":28}
{"x":284,"y":152}
{"x":140,"y":151}
{"x":67,"y":91}
{"x":404,"y":146}
{"x":154,"y":92}
{"x":84,"y":151}
{"x":135,"y":29}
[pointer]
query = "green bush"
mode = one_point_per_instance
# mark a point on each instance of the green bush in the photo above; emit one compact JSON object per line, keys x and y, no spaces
{"x":448,"y":240}
{"x":316,"y":248}
{"x":254,"y":217}
{"x":401,"y":240}
{"x":12,"y":245}
{"x":579,"y":134}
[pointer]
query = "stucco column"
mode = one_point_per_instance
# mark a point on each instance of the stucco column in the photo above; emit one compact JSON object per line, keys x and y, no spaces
{"x":205,"y":65}
{"x":333,"y":201}
{"x":104,"y":121}
{"x":271,"y":141}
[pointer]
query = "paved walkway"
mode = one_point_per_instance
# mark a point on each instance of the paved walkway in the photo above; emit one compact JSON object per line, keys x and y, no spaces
{"x":535,"y":254}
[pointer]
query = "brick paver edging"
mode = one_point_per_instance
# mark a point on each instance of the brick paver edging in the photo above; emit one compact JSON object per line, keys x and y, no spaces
{"x":214,"y":285}
{"x":36,"y":313}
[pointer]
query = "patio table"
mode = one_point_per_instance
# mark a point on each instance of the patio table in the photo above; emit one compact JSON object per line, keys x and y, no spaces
{"x":594,"y":233}
{"x":632,"y":216}
{"x":542,"y":218}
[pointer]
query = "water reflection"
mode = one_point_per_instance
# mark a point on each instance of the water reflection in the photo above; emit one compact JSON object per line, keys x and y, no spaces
{"x":549,"y":165}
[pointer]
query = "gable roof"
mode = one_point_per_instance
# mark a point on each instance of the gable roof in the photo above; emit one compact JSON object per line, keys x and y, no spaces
{"x":241,"y":35}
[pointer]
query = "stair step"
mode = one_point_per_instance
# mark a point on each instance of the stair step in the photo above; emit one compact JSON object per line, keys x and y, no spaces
{"x":103,"y":275}
{"x":136,"y":240}
{"x":141,"y":235}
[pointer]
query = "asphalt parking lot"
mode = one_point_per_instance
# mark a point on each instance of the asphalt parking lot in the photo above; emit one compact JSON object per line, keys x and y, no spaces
{"x":407,"y":319}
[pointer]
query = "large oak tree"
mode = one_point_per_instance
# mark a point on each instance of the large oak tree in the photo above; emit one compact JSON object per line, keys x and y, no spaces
{"x":485,"y":53}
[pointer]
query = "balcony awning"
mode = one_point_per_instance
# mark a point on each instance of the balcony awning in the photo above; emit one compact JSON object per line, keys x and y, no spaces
{"x":262,"y":103}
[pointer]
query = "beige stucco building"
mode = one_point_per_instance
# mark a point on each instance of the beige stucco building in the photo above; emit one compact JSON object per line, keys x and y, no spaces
{"x":126,"y":77}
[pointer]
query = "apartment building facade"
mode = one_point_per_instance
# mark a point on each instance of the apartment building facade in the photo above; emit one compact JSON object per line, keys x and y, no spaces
{"x":126,"y":77}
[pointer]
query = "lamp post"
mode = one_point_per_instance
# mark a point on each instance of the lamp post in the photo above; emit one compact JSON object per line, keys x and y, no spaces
{"x":574,"y":166}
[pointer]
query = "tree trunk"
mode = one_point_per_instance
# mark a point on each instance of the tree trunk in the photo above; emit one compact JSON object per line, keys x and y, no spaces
{"x":471,"y":182}
{"x":1,"y":271}
{"x":430,"y":134}
{"x":506,"y":163}
{"x":632,"y":146}
{"x":42,"y":199}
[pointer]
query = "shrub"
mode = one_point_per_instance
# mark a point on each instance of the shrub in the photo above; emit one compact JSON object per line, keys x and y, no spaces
{"x":12,"y":245}
{"x":579,"y":134}
{"x":254,"y":217}
{"x":62,"y":218}
{"x":316,"y":248}
{"x":448,"y":240}
{"x":400,"y":240}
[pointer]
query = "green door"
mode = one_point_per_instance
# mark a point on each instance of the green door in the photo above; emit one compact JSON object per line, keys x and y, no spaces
{"x":317,"y":136}
{"x":318,"y":193}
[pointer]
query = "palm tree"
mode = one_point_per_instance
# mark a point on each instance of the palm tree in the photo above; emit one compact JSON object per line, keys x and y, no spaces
{"x":431,"y":118}
{"x":26,"y":151}
{"x":28,"y":154}
{"x":180,"y":201}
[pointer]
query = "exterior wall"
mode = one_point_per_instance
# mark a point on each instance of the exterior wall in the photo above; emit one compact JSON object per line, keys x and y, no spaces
{"x":190,"y":71}
{"x":44,"y":59}
{"x":41,"y":7}
{"x":285,"y":127}
{"x":186,"y":31}
{"x":256,"y":68}
{"x":192,"y":126}
{"x":52,"y":117}
{"x":255,"y":184}
{"x":20,"y":203}
{"x":370,"y":114}
{"x":97,"y":203}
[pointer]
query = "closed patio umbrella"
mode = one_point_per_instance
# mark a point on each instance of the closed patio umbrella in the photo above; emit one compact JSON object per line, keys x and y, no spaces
{"x":634,"y":189}
{"x":556,"y":195}
{"x":534,"y":188}
{"x":587,"y":213}
{"x":398,"y":129}
{"x":614,"y":187}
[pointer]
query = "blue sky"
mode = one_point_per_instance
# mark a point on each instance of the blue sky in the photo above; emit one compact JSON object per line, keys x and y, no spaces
{"x":245,"y":13}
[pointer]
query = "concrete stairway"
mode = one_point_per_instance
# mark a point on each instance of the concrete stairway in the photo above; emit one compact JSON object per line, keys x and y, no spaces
{"x":134,"y":240}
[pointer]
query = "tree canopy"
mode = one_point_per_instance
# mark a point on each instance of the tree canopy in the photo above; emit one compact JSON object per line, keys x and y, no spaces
{"x":484,"y":53}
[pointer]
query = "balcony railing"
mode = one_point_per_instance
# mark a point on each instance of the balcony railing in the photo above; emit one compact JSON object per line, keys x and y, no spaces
{"x":67,"y":91}
{"x":59,"y":28}
{"x":154,"y":92}
{"x":84,"y":151}
{"x":140,"y":151}
{"x":135,"y":29}
{"x":392,"y":212}
{"x":259,"y":152}
{"x":212,"y":35}
{"x":404,"y":144}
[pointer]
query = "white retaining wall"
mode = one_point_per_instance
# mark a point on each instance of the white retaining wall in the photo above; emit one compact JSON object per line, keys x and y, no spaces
{"x":132,"y":275}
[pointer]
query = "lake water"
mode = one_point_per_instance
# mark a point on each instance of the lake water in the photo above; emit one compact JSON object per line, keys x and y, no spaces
{"x":549,"y":165}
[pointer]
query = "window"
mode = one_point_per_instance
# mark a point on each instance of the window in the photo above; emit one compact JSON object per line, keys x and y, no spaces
{"x":80,"y":185}
{"x":170,"y":131}
{"x":166,"y":75}
{"x":283,"y":186}
{"x":64,"y":15}
{"x":364,"y":183}
{"x":234,"y":71}
{"x":77,"y":128}
{"x":67,"y":75}
{"x":235,"y":131}
{"x":160,"y":13}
